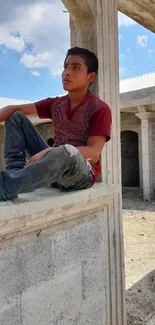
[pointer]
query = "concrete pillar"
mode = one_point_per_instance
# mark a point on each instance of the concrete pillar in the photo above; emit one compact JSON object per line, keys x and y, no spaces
{"x":146,"y":142}
{"x":140,"y":156}
{"x":94,"y":26}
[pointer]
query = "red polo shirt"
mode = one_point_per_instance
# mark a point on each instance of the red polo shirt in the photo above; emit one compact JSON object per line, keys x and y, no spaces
{"x":92,"y":117}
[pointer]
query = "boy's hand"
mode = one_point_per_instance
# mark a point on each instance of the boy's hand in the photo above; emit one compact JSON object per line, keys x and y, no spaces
{"x":37,"y":157}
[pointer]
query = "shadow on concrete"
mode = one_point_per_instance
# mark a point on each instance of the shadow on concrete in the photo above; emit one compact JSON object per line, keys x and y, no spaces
{"x":133,"y":200}
{"x":140,"y":299}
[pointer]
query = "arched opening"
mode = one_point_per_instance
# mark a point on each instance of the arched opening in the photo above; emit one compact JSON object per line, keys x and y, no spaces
{"x":130,"y":159}
{"x":50,"y":142}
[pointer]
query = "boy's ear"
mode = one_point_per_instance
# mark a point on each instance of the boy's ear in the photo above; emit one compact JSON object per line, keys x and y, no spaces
{"x":92,"y":77}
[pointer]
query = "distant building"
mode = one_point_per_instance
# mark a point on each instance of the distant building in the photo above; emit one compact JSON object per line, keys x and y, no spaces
{"x":137,"y":104}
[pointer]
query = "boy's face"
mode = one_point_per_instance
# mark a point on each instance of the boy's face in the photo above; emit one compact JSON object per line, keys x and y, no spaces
{"x":75,"y":75}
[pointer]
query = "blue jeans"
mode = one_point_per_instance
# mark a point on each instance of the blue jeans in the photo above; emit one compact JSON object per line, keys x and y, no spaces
{"x":63,"y":166}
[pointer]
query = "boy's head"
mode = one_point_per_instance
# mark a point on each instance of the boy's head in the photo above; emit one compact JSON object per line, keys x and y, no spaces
{"x":80,"y":69}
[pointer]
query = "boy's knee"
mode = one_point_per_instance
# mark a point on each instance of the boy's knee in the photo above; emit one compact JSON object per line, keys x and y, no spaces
{"x":15,"y":117}
{"x":71,"y":150}
{"x":63,"y":154}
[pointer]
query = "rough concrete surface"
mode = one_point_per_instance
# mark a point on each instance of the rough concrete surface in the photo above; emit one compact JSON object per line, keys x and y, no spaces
{"x":145,"y":96}
{"x":56,"y":280}
{"x":139,"y":230}
{"x":142,"y":11}
{"x":48,"y":207}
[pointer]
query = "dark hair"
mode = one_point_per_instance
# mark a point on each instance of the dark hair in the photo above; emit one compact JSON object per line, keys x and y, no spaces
{"x":90,"y":58}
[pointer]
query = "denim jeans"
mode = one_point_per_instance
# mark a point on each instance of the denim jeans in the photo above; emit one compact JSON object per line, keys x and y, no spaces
{"x":63,"y":166}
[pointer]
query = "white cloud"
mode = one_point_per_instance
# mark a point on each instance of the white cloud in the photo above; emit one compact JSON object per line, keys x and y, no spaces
{"x":36,"y":73}
{"x":11,"y":41}
{"x":39,"y":29}
{"x":150,"y":53}
{"x":142,"y":41}
{"x":123,"y":71}
{"x":40,"y":60}
{"x":125,"y":21}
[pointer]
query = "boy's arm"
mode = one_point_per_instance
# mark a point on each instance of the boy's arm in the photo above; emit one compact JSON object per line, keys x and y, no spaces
{"x":92,"y":151}
{"x":99,"y":134}
{"x":27,"y":109}
{"x":40,"y":108}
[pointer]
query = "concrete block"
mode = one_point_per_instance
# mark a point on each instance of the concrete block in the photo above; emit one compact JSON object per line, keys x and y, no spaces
{"x":87,"y":312}
{"x":49,"y":301}
{"x":10,"y":311}
{"x":129,"y":122}
{"x":151,"y":319}
{"x":41,"y":258}
{"x":92,"y":312}
{"x":60,"y":302}
{"x":58,"y":278}
{"x":93,"y":276}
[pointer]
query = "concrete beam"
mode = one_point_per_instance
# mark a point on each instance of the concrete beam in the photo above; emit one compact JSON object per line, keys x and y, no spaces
{"x":129,"y":110}
{"x":140,"y":97}
{"x":146,"y":115}
{"x":142,"y":109}
{"x":142,"y":11}
{"x":80,"y":11}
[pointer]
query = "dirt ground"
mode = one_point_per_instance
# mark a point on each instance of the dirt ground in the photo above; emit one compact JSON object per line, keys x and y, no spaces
{"x":139,"y":241}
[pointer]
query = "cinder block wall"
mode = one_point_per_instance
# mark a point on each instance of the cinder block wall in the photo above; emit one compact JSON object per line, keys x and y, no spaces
{"x":130,"y":122}
{"x":56,"y":278}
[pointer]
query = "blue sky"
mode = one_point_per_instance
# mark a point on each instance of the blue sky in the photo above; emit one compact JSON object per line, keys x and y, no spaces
{"x":31,"y":57}
{"x":136,"y":50}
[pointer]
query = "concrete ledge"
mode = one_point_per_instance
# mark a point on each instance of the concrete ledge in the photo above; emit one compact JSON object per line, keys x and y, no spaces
{"x":35,"y":121}
{"x":65,"y":272}
{"x":145,"y":96}
{"x":49,"y":207}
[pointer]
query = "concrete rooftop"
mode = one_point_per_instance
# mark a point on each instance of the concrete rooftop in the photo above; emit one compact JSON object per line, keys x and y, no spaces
{"x":136,"y":83}
{"x":138,"y":91}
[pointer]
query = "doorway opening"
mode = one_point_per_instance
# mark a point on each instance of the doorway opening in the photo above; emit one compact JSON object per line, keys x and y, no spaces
{"x":130,"y":159}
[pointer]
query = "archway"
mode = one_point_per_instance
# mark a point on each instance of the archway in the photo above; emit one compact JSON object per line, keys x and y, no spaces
{"x":130,"y":159}
{"x":50,"y":142}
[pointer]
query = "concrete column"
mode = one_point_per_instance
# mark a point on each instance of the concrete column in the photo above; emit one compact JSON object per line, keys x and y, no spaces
{"x":140,"y":156}
{"x":107,"y":37}
{"x":94,"y":26}
{"x":146,"y":142}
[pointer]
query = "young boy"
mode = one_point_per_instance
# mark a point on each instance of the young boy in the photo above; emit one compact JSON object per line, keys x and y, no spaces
{"x":82,"y":125}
